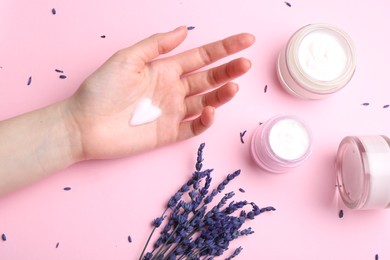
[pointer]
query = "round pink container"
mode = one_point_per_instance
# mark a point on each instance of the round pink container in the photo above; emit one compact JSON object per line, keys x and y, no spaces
{"x":318,"y":60}
{"x":281,"y":143}
{"x":363,"y":171}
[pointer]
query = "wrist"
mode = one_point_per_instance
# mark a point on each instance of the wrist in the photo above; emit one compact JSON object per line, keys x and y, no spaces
{"x":36,"y":144}
{"x":72,"y":132}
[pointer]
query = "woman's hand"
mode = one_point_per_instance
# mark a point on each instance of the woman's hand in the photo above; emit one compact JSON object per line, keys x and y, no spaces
{"x":105,"y":102}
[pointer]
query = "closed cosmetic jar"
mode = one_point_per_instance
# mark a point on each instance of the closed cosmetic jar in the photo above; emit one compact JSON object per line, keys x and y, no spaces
{"x":363,"y":171}
{"x":317,"y":61}
{"x":281,"y":143}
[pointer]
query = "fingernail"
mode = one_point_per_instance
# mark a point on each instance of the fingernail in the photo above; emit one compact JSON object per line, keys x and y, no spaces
{"x":180,"y":28}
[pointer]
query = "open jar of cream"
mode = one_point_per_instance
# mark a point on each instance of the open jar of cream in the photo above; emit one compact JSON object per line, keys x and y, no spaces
{"x":363,"y":171}
{"x":281,"y":143}
{"x":318,"y":60}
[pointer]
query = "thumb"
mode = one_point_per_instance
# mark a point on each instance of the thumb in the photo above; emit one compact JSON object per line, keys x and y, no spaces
{"x":155,"y":45}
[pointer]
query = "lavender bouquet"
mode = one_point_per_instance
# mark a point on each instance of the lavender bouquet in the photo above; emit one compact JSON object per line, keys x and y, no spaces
{"x":192,"y":232}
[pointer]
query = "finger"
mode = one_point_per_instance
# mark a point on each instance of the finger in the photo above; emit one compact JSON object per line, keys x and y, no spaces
{"x":216,"y":98}
{"x":206,"y":80}
{"x":199,"y":57}
{"x":188,"y":129}
{"x":153,"y":46}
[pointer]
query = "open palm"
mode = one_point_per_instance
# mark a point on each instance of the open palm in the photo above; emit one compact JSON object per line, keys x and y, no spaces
{"x":104,"y":104}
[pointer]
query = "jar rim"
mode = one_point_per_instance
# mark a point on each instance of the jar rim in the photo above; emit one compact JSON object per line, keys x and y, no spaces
{"x":354,"y":143}
{"x":306,"y":81}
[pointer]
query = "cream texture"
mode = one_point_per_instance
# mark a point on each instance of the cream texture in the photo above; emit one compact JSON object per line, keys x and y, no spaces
{"x":144,"y":112}
{"x":289,"y":139}
{"x":322,"y":55}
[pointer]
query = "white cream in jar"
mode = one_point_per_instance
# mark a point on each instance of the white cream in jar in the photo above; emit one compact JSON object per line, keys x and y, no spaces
{"x":281,"y":143}
{"x":318,"y":60}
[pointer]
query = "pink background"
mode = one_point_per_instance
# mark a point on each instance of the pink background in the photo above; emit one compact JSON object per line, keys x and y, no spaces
{"x":112,"y":199}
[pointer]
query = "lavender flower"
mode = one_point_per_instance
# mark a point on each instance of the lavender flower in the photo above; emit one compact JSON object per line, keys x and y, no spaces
{"x":193,"y":232}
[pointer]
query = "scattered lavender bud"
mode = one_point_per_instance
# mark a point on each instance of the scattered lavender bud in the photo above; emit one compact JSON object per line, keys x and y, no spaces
{"x":3,"y":237}
{"x":29,"y":81}
{"x":341,"y":213}
{"x":242,"y":136}
{"x":67,"y":188}
{"x":189,"y":28}
{"x":386,"y":106}
{"x":129,"y":239}
{"x":59,"y":71}
{"x":102,"y":36}
{"x":58,"y":244}
{"x":265,"y":88}
{"x":62,"y":77}
{"x":53,"y":11}
{"x":241,"y":190}
{"x":376,"y":257}
{"x":287,"y":3}
{"x":365,"y":104}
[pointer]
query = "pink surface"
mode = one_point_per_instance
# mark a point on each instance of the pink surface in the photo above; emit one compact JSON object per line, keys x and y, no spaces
{"x":112,"y":199}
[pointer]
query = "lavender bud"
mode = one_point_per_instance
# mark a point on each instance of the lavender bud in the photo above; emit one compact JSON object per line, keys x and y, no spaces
{"x":246,"y":232}
{"x":221,"y":187}
{"x":230,"y":177}
{"x":148,"y":256}
{"x":235,"y":253}
{"x":167,"y":228}
{"x":196,"y":185}
{"x":250,"y":215}
{"x":174,"y":199}
{"x":184,"y":188}
{"x":157,"y":222}
{"x":192,"y":194}
{"x":262,"y":210}
{"x":198,"y":166}
{"x":158,"y":243}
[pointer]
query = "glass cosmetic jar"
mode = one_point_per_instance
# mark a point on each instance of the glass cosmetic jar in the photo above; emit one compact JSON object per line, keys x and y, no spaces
{"x":318,"y":60}
{"x":281,"y":143}
{"x":363,"y":171}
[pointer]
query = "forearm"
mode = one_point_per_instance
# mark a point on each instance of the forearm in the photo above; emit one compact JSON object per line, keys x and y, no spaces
{"x":36,"y":144}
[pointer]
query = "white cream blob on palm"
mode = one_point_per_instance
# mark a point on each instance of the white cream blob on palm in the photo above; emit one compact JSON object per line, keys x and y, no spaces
{"x":144,"y":112}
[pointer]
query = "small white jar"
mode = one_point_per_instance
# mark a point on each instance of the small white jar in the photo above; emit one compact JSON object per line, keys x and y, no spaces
{"x":281,"y":143}
{"x":363,"y":171}
{"x":318,"y":60}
